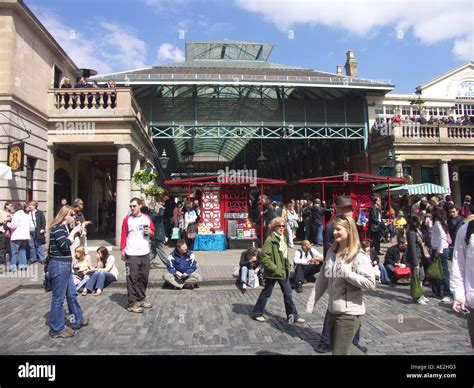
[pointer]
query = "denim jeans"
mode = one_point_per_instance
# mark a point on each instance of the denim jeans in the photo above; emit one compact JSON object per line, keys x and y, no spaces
{"x":244,"y":275}
{"x":36,"y":251}
{"x":285,"y":286}
{"x":62,"y":284}
{"x":384,"y":278}
{"x":318,"y":233}
{"x":18,"y":248}
{"x":100,"y":280}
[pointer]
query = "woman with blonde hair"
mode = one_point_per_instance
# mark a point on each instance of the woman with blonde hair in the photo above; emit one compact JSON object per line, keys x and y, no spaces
{"x":60,"y":275}
{"x":276,"y":269}
{"x":346,"y":271}
{"x":81,"y":265}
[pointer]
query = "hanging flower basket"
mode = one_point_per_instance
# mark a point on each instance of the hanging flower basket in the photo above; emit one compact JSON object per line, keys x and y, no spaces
{"x":144,"y":176}
{"x":154,"y":191}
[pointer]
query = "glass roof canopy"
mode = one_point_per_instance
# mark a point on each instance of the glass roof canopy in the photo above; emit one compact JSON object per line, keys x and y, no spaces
{"x":228,"y":50}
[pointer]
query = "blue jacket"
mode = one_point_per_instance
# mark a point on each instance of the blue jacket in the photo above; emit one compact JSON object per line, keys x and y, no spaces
{"x":186,"y":264}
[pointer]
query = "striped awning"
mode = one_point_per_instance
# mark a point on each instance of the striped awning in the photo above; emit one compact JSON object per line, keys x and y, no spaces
{"x":421,"y":188}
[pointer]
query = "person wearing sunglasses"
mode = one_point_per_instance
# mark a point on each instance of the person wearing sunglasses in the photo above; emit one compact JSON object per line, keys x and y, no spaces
{"x":137,"y":229}
{"x":276,"y":269}
{"x":346,"y":271}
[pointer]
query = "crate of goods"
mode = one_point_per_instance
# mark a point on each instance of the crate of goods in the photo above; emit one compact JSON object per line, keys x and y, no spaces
{"x":204,"y":229}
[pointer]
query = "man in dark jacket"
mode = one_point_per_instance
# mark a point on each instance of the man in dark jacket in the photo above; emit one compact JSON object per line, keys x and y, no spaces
{"x":182,"y":266}
{"x":395,"y":257}
{"x":37,"y":233}
{"x":158,"y":240}
{"x":376,"y":225}
{"x":455,"y":221}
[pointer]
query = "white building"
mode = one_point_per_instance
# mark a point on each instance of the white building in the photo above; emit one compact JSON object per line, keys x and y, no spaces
{"x":429,"y":151}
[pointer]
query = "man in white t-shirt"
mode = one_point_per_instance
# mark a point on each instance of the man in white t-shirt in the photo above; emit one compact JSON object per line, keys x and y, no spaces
{"x":137,"y":229}
{"x":308,"y":262}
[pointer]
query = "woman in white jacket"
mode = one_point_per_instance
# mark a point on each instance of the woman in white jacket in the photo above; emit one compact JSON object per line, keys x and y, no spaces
{"x":462,"y":274}
{"x":440,"y":248}
{"x":346,"y":271}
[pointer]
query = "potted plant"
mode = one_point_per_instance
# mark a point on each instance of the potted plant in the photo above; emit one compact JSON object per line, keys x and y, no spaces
{"x":154,"y":191}
{"x":144,"y":176}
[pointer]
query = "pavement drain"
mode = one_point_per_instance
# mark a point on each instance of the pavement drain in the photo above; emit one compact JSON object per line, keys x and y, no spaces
{"x":408,"y":325}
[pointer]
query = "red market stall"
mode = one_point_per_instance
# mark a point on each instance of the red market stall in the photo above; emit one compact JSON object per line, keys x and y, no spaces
{"x":358,"y":186}
{"x":225,"y":201}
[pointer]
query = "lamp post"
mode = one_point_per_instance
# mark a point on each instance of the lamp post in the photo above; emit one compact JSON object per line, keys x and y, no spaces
{"x":392,"y":161}
{"x":418,"y":103}
{"x":164,"y":159}
{"x":188,"y":156}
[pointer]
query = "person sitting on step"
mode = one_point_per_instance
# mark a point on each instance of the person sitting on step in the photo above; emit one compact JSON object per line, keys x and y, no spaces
{"x":307,"y":263}
{"x":249,"y":267}
{"x":182,"y":268}
{"x":103,"y":274}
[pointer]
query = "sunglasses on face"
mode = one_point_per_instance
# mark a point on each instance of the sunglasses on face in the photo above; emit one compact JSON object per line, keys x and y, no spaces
{"x":280,"y":226}
{"x":133,"y":206}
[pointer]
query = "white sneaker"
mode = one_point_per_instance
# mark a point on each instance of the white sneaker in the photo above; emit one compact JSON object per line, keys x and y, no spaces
{"x":421,"y":301}
{"x":244,"y":286}
{"x":447,"y":299}
{"x":425,"y":298}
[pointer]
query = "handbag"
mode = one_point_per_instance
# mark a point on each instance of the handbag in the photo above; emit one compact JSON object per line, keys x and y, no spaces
{"x":435,"y":269}
{"x":424,"y":249}
{"x":253,"y":279}
{"x":415,"y":287}
{"x":400,"y":272}
{"x":176,"y":234}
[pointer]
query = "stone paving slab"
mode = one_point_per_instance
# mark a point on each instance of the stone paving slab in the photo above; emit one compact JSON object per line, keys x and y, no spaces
{"x":216,"y":320}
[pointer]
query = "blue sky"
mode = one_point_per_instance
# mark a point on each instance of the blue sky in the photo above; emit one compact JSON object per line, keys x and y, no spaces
{"x":408,"y":42}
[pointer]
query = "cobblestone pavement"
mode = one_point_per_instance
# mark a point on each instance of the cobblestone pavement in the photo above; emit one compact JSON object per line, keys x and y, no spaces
{"x":216,"y":320}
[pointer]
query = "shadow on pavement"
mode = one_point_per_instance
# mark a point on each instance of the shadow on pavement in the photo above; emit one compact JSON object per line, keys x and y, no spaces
{"x":120,"y":299}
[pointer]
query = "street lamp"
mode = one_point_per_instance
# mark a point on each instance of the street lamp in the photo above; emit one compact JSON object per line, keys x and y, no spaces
{"x":164,"y":159}
{"x":188,"y":156}
{"x":418,"y":103}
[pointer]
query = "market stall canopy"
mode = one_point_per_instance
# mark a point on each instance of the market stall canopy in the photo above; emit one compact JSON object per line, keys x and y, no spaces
{"x":383,"y":187}
{"x":5,"y":172}
{"x":419,"y":189}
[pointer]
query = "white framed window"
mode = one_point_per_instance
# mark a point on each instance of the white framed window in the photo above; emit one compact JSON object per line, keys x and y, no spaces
{"x":389,"y":109}
{"x":443,"y":111}
{"x":406,"y":111}
{"x":378,"y":109}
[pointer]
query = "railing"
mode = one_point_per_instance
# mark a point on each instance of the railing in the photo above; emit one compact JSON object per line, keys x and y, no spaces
{"x":419,"y":131}
{"x":93,"y":102}
{"x":342,"y":80}
{"x":461,"y":132}
{"x":85,"y":98}
{"x":434,"y":134}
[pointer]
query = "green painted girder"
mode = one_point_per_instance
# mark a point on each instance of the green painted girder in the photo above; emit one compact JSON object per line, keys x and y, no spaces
{"x":296,"y":131}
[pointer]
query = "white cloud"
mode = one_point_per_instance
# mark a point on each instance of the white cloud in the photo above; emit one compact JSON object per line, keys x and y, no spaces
{"x":106,"y":47}
{"x":430,"y":21}
{"x":167,"y":52}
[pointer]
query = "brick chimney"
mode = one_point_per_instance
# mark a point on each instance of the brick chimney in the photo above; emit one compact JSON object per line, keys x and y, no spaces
{"x":351,"y":64}
{"x":338,"y":69}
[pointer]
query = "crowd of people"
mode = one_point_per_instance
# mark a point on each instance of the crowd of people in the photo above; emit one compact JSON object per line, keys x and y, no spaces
{"x":435,"y":231}
{"x":78,"y":99}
